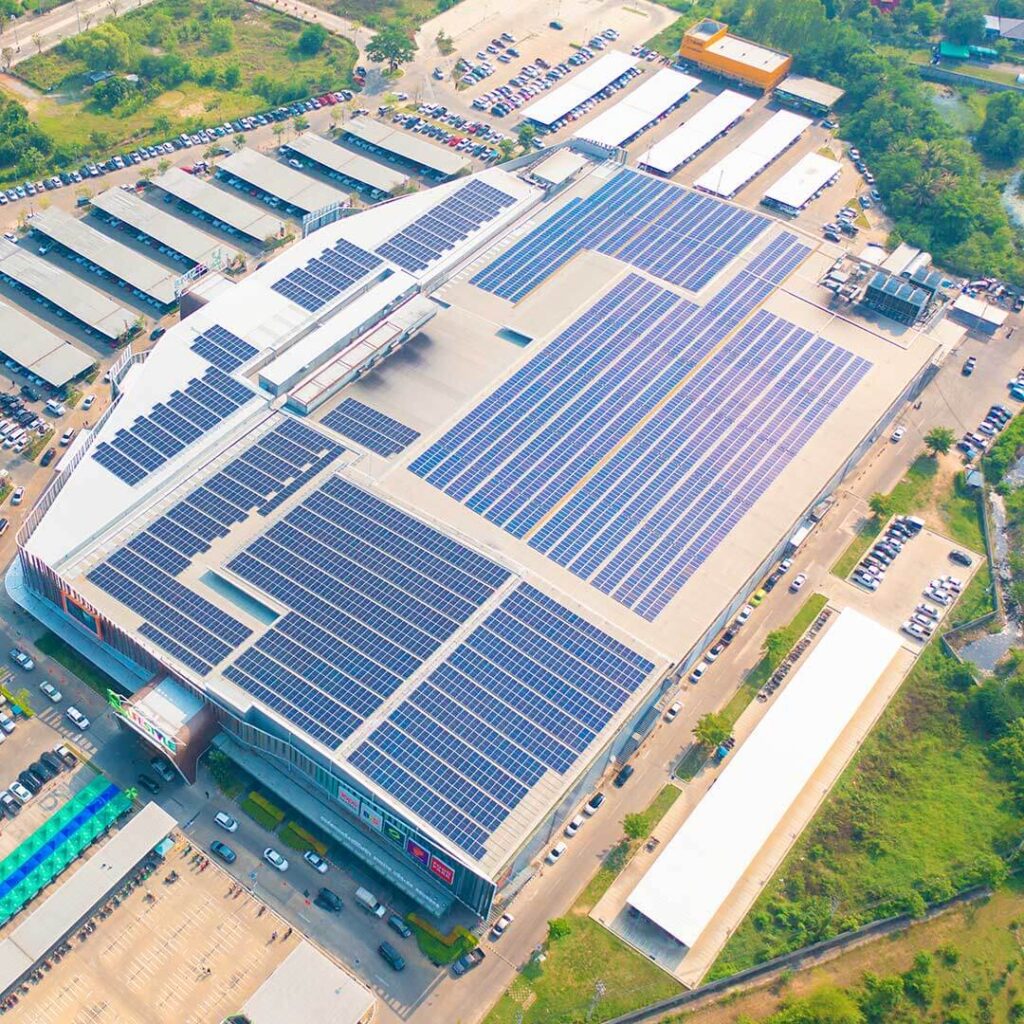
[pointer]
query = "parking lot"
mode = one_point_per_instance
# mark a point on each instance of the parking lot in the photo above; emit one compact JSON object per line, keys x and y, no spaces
{"x":187,"y":952}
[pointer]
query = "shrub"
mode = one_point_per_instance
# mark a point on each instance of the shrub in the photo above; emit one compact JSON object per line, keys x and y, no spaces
{"x":262,"y":811}
{"x":298,"y":838}
{"x":438,"y":947}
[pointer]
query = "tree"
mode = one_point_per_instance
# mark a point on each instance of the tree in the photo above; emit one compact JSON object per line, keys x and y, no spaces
{"x":221,"y":35}
{"x":1001,"y":136}
{"x":506,"y":147}
{"x":527,"y":133}
{"x":211,"y":153}
{"x":312,"y":40}
{"x":391,"y":46}
{"x":147,"y":173}
{"x":826,"y":1006}
{"x":777,"y":645}
{"x":558,"y":928}
{"x":965,"y":21}
{"x":300,"y":124}
{"x":238,"y":140}
{"x":278,"y":131}
{"x":711,"y":730}
{"x":231,"y":76}
{"x":7,"y":57}
{"x":335,"y":115}
{"x":105,"y":48}
{"x":635,"y":826}
{"x":881,"y":505}
{"x":939,"y":440}
{"x":444,"y":43}
{"x":111,"y":93}
{"x":164,"y":166}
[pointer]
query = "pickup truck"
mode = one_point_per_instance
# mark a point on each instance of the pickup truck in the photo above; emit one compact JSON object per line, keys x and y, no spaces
{"x":468,"y":961}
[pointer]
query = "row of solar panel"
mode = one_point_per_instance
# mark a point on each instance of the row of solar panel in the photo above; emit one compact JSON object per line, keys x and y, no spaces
{"x":655,"y":225}
{"x":372,"y":593}
{"x":134,"y":452}
{"x":326,"y":276}
{"x":529,"y":691}
{"x":166,"y":548}
{"x":370,"y":428}
{"x":426,"y":239}
{"x":225,"y":350}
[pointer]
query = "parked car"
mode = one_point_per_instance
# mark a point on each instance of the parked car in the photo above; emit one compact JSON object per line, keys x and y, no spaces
{"x":961,"y":558}
{"x":315,"y":861}
{"x":76,"y":717}
{"x":798,"y":581}
{"x":328,"y":900}
{"x":225,"y":821}
{"x":574,"y":826}
{"x":21,"y":659}
{"x":163,"y":769}
{"x":148,"y":783}
{"x":555,"y":853}
{"x":396,"y":924}
{"x":222,"y":850}
{"x":51,"y":691}
{"x":897,"y":434}
{"x":625,"y":773}
{"x":672,"y":713}
{"x":274,"y":859}
{"x":593,"y":805}
{"x":392,"y":957}
{"x":969,"y":364}
{"x":501,"y":926}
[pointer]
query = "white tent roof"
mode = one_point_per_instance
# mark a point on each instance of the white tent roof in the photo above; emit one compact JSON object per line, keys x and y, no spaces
{"x":579,"y":87}
{"x":798,"y":185}
{"x":707,"y":857}
{"x":639,"y":108}
{"x":753,"y":155}
{"x":699,"y":131}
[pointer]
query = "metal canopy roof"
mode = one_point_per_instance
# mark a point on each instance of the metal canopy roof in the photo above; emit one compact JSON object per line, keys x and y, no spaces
{"x":85,"y":303}
{"x":579,"y":87}
{"x":358,"y":168}
{"x":39,"y":350}
{"x":277,"y":179}
{"x":408,"y":147}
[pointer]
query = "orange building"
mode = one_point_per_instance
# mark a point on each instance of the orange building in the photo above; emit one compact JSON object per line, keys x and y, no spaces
{"x":708,"y":45}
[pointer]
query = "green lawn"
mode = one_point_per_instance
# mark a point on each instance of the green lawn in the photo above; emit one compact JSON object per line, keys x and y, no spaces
{"x":54,"y":647}
{"x":919,"y":815}
{"x":589,"y":974}
{"x":377,"y":13}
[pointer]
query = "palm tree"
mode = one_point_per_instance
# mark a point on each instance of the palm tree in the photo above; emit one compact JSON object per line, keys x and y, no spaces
{"x":238,"y":140}
{"x":939,"y":440}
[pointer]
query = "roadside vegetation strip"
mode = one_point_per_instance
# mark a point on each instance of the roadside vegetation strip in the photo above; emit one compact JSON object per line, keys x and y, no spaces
{"x":587,"y":973}
{"x":784,"y":641}
{"x":55,"y":647}
{"x":438,"y":948}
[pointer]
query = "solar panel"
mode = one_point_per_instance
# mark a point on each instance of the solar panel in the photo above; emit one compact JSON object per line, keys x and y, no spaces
{"x":452,"y":221}
{"x":223,"y":349}
{"x":625,"y":449}
{"x":133,"y":453}
{"x":326,"y":276}
{"x":526,"y":694}
{"x":370,"y":428}
{"x":654,"y":225}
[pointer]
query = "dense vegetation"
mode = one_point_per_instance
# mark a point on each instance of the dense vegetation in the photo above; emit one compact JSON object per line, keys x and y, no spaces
{"x":930,"y":176}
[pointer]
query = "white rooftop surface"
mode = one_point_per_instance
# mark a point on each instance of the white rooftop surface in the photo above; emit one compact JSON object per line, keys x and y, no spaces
{"x":979,"y":308}
{"x":754,"y":154}
{"x":278,"y":179}
{"x":180,"y":235}
{"x":743,"y":51}
{"x":579,"y":87}
{"x":701,"y":865}
{"x":344,"y":161}
{"x":410,"y":147}
{"x":811,"y":89}
{"x":638,"y":108}
{"x":559,"y":167}
{"x":170,"y":705}
{"x":73,"y":899}
{"x":797,"y":186}
{"x":307,"y":988}
{"x":316,"y":347}
{"x":139,"y":271}
{"x":221,"y":204}
{"x":900,"y":258}
{"x":65,"y":290}
{"x":668,"y":155}
{"x":38,"y":349}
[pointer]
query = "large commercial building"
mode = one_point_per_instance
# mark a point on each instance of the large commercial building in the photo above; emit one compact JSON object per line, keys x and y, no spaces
{"x":709,"y":45}
{"x":431,"y":612}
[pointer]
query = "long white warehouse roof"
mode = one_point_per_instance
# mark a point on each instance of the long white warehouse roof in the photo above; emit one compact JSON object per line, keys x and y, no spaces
{"x":639,"y":108}
{"x":753,"y":155}
{"x":717,"y":843}
{"x":798,"y":185}
{"x":579,"y":88}
{"x":668,"y":155}
{"x":277,"y":179}
{"x":343,"y":161}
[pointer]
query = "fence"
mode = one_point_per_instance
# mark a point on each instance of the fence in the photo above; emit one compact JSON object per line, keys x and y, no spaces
{"x":931,"y":73}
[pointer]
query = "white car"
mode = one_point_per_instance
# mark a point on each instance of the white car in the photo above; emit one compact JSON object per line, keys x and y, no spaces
{"x":87,"y":401}
{"x":698,"y":672}
{"x":76,"y":717}
{"x":798,"y":581}
{"x":20,"y":792}
{"x":556,"y":853}
{"x":225,"y":821}
{"x":18,"y":496}
{"x":672,"y":713}
{"x":501,"y":926}
{"x":744,"y":613}
{"x":897,"y":434}
{"x":51,"y":691}
{"x":274,"y":859}
{"x":315,"y":861}
{"x":574,"y":826}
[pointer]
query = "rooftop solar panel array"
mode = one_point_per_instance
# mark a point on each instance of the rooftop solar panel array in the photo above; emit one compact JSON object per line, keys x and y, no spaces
{"x":631,"y":445}
{"x":372,"y":594}
{"x":225,"y":350}
{"x":328,"y":275}
{"x":373,"y":430}
{"x":134,"y":452}
{"x":142,"y":574}
{"x":450,"y":222}
{"x":526,"y":693}
{"x":675,"y":234}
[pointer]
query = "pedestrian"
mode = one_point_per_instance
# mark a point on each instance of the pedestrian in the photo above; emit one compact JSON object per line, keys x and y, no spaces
{"x":273,"y":936}
{"x":207,"y":794}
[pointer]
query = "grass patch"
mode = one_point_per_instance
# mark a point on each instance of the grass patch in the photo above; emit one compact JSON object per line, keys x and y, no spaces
{"x":262,"y":811}
{"x":378,"y":13}
{"x":564,"y":987}
{"x":33,"y":450}
{"x":437,"y":948}
{"x":976,"y":600}
{"x":302,"y":839}
{"x":919,"y":815}
{"x":867,"y":531}
{"x":54,"y":647}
